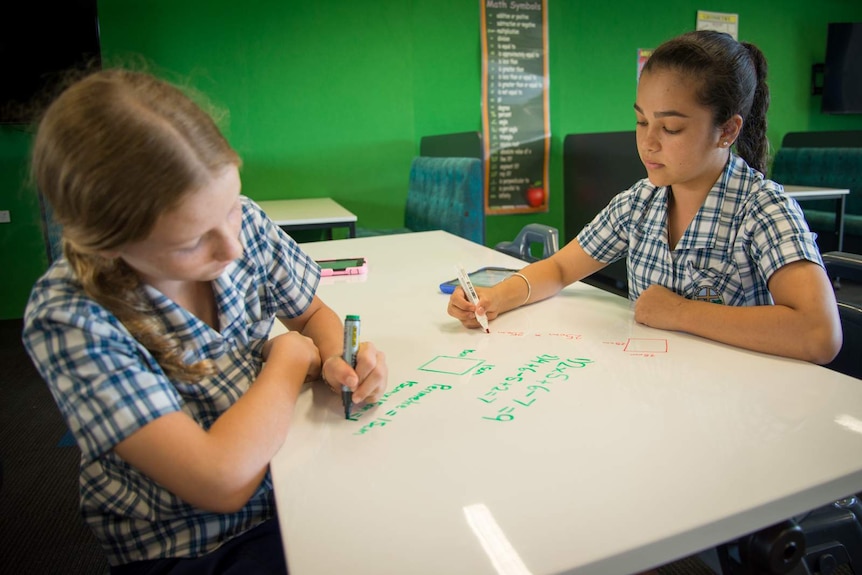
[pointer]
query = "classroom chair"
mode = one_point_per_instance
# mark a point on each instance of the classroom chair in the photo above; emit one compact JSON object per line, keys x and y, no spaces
{"x":444,"y":193}
{"x":830,"y":167}
{"x":825,"y":541}
{"x":848,"y":293}
{"x":532,"y":234}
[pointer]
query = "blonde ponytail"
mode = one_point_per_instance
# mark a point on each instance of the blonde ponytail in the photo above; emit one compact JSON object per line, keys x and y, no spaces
{"x":115,"y":286}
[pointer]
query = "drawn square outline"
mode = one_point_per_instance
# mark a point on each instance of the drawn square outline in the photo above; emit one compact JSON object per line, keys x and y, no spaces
{"x":451,"y":365}
{"x":643,"y":345}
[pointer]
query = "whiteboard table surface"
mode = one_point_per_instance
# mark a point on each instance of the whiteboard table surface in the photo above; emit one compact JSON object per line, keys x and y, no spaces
{"x":569,"y":440}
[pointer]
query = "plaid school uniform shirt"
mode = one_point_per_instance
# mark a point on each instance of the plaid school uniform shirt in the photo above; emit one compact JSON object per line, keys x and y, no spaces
{"x":746,"y":230}
{"x":107,"y":386}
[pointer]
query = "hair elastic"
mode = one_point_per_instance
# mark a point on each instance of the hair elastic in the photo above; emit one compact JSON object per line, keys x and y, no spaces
{"x":529,"y":287}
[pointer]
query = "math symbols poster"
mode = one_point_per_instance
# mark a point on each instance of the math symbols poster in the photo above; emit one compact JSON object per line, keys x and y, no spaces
{"x":515,"y":115}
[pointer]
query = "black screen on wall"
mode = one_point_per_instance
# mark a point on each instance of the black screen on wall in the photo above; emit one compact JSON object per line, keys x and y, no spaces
{"x":842,"y":71}
{"x":40,"y":40}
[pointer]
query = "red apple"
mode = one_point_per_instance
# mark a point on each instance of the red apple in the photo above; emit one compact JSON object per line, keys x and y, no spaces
{"x":535,"y":195}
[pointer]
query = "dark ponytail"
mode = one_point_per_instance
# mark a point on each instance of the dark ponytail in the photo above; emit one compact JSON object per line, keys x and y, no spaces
{"x":752,"y":143}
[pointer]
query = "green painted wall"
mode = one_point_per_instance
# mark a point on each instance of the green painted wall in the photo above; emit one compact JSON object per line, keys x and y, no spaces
{"x":330,"y":97}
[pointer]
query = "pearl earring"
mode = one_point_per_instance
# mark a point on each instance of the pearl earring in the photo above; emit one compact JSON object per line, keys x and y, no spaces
{"x":725,"y":144}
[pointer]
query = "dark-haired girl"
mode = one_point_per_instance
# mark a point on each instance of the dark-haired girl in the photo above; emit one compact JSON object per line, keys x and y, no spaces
{"x":713,"y":248}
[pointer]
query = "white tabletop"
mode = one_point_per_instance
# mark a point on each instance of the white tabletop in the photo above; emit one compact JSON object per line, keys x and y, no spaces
{"x":302,"y":211}
{"x":814,"y":192}
{"x":487,"y":456}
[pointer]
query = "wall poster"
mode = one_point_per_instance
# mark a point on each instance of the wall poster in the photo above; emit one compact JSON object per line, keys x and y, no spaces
{"x":515,"y":116}
{"x":643,"y":56}
{"x":720,"y":21}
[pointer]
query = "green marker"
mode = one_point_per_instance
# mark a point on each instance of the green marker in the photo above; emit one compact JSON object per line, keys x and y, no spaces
{"x":351,"y":348}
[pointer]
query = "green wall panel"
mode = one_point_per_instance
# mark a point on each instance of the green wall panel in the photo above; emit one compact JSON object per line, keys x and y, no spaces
{"x":331,"y":97}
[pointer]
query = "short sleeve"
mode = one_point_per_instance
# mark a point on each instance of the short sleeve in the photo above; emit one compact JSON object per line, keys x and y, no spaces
{"x":105,"y":383}
{"x":779,"y":233}
{"x":290,"y":276}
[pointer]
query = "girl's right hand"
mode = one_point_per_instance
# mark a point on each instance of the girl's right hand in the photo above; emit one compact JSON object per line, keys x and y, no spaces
{"x":368,"y":381}
{"x":464,"y":311}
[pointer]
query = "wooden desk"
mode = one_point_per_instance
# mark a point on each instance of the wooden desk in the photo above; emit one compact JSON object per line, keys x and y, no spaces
{"x":486,"y":450}
{"x":802,"y":193}
{"x":310,"y":214}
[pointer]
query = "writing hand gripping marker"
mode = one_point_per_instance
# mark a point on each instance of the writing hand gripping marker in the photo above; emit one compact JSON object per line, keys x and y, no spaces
{"x":468,"y":288}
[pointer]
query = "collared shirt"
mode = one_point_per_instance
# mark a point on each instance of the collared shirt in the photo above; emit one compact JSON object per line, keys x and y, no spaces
{"x":746,"y":229}
{"x":107,"y":386}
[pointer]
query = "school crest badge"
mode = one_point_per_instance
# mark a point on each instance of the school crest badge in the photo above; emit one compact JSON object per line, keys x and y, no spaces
{"x":709,"y":294}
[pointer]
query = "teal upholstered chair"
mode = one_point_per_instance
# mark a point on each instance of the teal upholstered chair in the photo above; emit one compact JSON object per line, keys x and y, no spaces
{"x":443,"y":194}
{"x":827,"y":167}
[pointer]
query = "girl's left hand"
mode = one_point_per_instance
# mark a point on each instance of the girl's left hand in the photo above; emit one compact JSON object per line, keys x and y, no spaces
{"x":368,"y":381}
{"x":659,"y":307}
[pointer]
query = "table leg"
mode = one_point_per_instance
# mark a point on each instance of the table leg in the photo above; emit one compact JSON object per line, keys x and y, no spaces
{"x":839,"y":222}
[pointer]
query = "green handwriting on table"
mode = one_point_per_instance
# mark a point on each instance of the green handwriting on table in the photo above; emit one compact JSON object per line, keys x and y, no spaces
{"x":452,"y":365}
{"x":369,"y":406}
{"x":555,"y":371}
{"x":412,"y":400}
{"x":520,"y":388}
